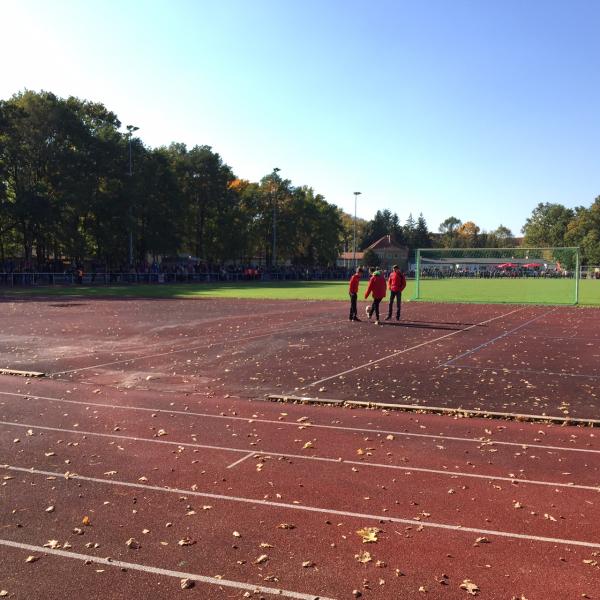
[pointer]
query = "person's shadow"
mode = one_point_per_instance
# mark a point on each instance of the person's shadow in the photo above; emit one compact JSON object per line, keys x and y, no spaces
{"x":426,"y":325}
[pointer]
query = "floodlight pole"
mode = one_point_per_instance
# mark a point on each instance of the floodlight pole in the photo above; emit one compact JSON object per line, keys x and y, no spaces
{"x":274,"y":200}
{"x":129,"y":134}
{"x":356,"y":195}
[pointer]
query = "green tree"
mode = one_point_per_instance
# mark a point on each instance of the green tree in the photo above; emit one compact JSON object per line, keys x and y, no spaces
{"x":547,"y":225}
{"x":448,"y":229}
{"x":422,"y":238}
{"x":584,"y":231}
{"x":370,"y":259}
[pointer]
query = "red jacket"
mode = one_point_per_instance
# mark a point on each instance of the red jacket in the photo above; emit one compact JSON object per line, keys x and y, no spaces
{"x":396,"y":281}
{"x":377,"y":287}
{"x":354,"y":281}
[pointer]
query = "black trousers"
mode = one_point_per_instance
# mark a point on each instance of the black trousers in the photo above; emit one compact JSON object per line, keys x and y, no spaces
{"x":353,"y":305}
{"x":398,"y":296}
{"x":375,"y":307}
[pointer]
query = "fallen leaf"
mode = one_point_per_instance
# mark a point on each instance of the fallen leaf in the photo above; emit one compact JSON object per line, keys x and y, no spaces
{"x":31,"y":559}
{"x":187,"y":584}
{"x":368,"y":534}
{"x":363,"y":557}
{"x":132,"y":543}
{"x":261,"y":559}
{"x":186,"y":541}
{"x":470,"y":587}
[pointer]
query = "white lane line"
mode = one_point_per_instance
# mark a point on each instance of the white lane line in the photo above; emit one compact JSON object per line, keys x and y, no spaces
{"x":338,"y":460}
{"x":498,"y":337}
{"x":503,"y":370}
{"x":113,"y":562}
{"x":241,"y":460}
{"x":251,"y":420}
{"x":306,"y":508}
{"x":422,"y":344}
{"x":203,"y":346}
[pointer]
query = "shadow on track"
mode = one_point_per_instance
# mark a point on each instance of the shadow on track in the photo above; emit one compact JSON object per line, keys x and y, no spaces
{"x":423,"y":325}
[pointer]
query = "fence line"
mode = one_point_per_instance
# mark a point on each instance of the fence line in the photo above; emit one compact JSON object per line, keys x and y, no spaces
{"x":42,"y":279}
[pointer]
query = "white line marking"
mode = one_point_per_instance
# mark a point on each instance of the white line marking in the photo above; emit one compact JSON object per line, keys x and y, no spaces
{"x":570,"y":485}
{"x":251,"y":420}
{"x":166,"y":572}
{"x":427,"y":343}
{"x":216,"y":342}
{"x":503,"y":370}
{"x":241,"y":460}
{"x":498,"y":337}
{"x":306,"y":508}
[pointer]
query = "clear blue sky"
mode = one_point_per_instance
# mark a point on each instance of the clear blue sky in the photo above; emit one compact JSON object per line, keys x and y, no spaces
{"x":475,"y":109}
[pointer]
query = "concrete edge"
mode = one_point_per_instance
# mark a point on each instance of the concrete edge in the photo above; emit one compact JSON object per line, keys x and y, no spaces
{"x":22,"y":373}
{"x":303,"y":400}
{"x":424,"y":409}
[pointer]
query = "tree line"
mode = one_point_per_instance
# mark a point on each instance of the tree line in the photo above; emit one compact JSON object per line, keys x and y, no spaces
{"x":73,"y":186}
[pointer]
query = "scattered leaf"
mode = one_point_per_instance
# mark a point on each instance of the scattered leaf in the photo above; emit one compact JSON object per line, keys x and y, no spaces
{"x":368,"y":534}
{"x":187,"y":584}
{"x":470,"y":587}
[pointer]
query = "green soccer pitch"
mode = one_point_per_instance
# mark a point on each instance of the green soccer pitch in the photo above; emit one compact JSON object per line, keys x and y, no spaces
{"x":540,"y":291}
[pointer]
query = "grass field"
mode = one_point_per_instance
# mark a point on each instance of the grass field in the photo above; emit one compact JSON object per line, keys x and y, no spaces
{"x":541,"y":291}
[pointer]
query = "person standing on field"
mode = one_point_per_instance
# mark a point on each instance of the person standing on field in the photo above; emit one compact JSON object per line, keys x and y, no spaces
{"x":377,"y":288}
{"x":353,"y":292}
{"x":396,"y":283}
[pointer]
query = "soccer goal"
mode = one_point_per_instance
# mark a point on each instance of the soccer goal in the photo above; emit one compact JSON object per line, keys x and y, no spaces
{"x":497,"y":275}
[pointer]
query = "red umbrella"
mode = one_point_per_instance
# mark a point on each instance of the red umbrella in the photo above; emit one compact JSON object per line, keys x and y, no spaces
{"x":507,"y":266}
{"x":532,"y":265}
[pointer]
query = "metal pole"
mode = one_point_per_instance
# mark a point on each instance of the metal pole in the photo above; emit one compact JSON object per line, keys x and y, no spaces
{"x":356,"y":195}
{"x":130,"y":130}
{"x":577,"y":275}
{"x":273,"y":192}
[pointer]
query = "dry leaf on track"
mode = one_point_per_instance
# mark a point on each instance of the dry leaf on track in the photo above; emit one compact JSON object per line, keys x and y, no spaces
{"x":368,"y":534}
{"x":470,"y":587}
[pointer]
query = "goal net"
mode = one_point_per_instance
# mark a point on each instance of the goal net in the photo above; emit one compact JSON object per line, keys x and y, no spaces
{"x":497,"y":275}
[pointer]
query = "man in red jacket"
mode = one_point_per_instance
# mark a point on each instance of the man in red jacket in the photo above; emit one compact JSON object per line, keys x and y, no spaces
{"x":353,"y":291}
{"x":377,"y":288}
{"x":396,"y":283}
